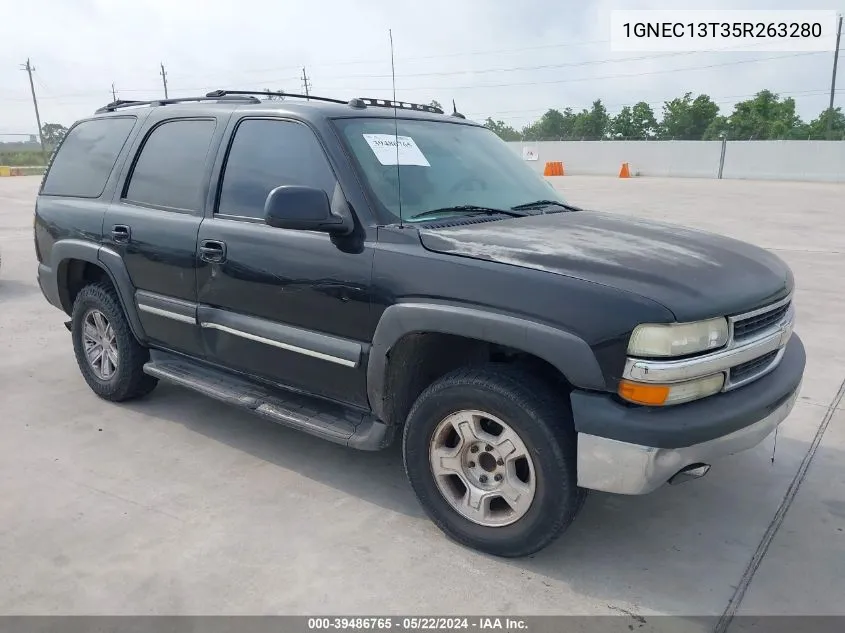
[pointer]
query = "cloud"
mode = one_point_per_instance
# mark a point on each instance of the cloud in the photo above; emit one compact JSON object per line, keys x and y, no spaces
{"x":444,"y":50}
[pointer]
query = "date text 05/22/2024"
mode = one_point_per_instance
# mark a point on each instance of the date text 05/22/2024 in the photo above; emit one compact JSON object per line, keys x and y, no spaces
{"x":417,"y":624}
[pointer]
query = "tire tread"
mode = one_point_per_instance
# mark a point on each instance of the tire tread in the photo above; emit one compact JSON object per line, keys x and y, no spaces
{"x":131,"y":381}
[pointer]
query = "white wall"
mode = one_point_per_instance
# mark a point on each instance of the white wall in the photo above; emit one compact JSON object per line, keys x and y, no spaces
{"x":786,"y":160}
{"x":778,"y":160}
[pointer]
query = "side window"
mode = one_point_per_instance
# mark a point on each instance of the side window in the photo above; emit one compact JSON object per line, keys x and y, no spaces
{"x":170,"y":169}
{"x":267,"y":154}
{"x":82,"y":165}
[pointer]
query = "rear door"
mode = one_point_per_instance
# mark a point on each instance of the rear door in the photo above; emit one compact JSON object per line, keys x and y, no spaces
{"x":153,"y":223}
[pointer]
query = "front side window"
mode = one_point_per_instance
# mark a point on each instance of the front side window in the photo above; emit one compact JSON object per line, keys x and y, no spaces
{"x":266,"y":154}
{"x":440,"y":165}
{"x":170,"y":169}
{"x":82,"y":165}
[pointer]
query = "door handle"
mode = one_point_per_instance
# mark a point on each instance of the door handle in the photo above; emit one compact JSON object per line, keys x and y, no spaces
{"x":121,"y":233}
{"x":213,"y":251}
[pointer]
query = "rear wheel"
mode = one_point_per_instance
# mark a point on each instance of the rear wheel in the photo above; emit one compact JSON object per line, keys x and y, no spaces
{"x":490,"y":453}
{"x":110,"y":358}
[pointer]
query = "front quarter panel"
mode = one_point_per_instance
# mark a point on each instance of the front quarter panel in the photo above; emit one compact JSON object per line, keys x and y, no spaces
{"x":580,"y":327}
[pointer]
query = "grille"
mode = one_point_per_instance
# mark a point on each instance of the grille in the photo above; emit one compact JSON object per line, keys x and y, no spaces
{"x":746,"y":328}
{"x":752,"y":367}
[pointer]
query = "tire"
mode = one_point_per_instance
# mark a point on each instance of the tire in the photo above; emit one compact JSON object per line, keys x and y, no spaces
{"x":542,"y":422}
{"x":127,"y":379}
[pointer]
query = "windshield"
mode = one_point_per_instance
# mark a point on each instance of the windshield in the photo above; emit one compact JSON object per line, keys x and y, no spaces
{"x":441,"y":165}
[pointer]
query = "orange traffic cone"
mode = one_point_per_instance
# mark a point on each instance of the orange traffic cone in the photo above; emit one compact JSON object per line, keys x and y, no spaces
{"x":553,"y":168}
{"x":625,"y":172}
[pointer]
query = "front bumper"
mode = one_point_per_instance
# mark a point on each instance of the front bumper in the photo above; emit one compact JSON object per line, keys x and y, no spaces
{"x":634,"y":450}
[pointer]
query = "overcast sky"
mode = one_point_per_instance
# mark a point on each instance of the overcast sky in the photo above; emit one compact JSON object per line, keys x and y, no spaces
{"x":485,"y":54}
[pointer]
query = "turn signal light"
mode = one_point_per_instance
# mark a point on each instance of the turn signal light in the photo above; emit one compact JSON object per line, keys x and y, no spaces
{"x":675,"y":393}
{"x":640,"y":393}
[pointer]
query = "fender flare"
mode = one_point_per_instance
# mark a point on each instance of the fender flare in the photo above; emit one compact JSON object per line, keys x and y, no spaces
{"x":568,"y":353}
{"x":111,"y":263}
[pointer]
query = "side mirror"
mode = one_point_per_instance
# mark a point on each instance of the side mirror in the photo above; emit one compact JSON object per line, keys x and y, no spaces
{"x":302,"y":208}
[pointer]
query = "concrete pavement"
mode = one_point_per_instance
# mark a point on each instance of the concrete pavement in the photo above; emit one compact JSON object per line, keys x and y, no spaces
{"x":178,"y":504}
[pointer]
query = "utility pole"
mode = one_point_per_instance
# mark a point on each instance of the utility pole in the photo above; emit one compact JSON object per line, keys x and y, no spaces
{"x":305,"y":83}
{"x":29,"y":68}
{"x":113,"y":93}
{"x":829,"y":134}
{"x":164,"y":80}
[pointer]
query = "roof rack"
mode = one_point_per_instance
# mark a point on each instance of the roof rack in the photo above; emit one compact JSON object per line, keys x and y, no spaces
{"x":363,"y":102}
{"x":114,"y":105}
{"x":225,"y":93}
{"x":251,"y":96}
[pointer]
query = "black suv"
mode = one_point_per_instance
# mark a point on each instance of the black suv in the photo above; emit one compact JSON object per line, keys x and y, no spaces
{"x":371,"y":271}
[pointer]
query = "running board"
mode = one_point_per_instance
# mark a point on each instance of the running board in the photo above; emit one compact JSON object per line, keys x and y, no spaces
{"x":327,"y":420}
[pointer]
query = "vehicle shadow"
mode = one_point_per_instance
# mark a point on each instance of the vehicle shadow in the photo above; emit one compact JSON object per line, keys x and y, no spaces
{"x":376,"y":476}
{"x":679,"y":550}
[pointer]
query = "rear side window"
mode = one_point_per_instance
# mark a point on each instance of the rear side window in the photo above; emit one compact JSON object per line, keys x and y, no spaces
{"x":169,"y":172}
{"x":266,"y":154}
{"x":86,"y":157}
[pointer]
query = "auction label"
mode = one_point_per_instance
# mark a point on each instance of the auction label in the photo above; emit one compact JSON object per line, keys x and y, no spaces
{"x":421,"y":623}
{"x":391,"y":150}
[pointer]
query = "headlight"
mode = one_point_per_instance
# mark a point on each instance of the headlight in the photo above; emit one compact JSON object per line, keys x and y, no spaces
{"x":678,"y":339}
{"x":675,"y":393}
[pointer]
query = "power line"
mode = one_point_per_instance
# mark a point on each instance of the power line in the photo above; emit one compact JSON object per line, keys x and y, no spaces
{"x":449,"y":55}
{"x":533,"y":83}
{"x":40,"y":81}
{"x":590,"y":62}
{"x":559,"y":81}
{"x":419,"y":58}
{"x":459,"y":54}
{"x":518,"y":68}
{"x":620,"y":76}
{"x":533,"y":67}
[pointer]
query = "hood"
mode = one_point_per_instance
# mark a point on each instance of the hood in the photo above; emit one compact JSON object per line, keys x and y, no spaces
{"x":693,"y":273}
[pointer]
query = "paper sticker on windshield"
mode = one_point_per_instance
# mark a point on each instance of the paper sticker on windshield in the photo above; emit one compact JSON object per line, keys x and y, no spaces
{"x":384,"y":147}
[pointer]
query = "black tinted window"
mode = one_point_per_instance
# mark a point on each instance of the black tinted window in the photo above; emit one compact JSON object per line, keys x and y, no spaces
{"x":269,"y":154}
{"x":86,"y":157}
{"x":170,"y":169}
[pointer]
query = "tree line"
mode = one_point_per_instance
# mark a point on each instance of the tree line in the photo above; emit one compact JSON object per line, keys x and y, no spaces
{"x":764,"y":117}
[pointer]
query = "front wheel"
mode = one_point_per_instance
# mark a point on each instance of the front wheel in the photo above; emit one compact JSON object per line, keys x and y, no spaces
{"x":490,"y":453}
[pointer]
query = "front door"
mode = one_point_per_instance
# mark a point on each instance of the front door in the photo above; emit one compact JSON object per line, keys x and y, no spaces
{"x":288,"y":306}
{"x":153,"y":225}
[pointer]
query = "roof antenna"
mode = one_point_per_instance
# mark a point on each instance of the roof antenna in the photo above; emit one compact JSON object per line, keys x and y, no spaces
{"x":395,"y":126}
{"x":455,"y":112}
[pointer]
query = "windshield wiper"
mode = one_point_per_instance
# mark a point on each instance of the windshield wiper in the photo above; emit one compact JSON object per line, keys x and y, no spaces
{"x":468,"y":208}
{"x":546,"y":203}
